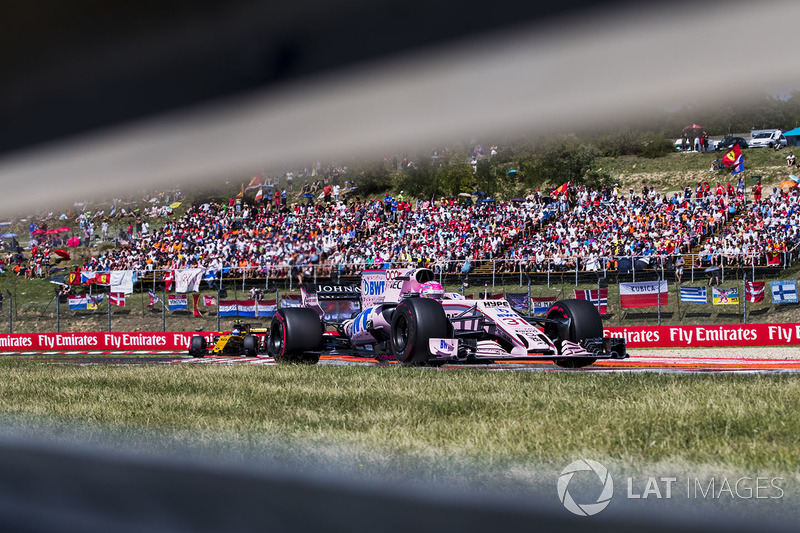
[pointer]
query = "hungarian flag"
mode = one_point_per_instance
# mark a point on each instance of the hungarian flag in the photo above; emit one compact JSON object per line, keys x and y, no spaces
{"x":177,"y":302}
{"x":169,"y":277}
{"x":209,"y":301}
{"x":153,"y":298}
{"x":643,"y":294}
{"x":732,"y":156}
{"x":259,"y":194}
{"x":254,"y":184}
{"x":560,"y":189}
{"x":600,"y":300}
{"x":754,"y":291}
{"x":116,"y":298}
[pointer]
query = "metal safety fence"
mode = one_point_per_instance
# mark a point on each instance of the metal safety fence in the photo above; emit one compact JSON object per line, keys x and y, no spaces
{"x":152,"y":303}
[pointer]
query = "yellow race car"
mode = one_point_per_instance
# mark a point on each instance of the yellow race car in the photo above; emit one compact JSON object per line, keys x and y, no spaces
{"x":243,"y":339}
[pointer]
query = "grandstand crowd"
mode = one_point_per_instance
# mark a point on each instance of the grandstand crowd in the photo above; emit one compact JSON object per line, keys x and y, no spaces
{"x":580,"y":229}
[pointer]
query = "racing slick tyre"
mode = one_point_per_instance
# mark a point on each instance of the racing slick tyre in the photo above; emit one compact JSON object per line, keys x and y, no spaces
{"x":198,"y":346}
{"x":414,"y":322}
{"x":584,"y":322}
{"x":250,"y":345}
{"x":293,"y":334}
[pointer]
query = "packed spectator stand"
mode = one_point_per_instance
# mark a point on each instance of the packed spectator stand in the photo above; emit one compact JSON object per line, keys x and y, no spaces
{"x":579,"y":230}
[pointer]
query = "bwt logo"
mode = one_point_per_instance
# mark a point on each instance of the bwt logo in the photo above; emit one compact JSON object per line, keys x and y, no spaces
{"x":591,"y":508}
{"x":373,"y":287}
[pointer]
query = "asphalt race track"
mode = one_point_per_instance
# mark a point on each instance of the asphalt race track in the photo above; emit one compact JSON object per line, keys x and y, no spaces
{"x":650,"y":361}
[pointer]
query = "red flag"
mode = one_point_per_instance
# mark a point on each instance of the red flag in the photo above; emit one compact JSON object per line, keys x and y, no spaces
{"x":209,"y":301}
{"x":169,"y":277}
{"x":196,"y":305}
{"x":561,"y":189}
{"x":116,"y":298}
{"x":103,"y":278}
{"x":754,"y":291}
{"x":600,"y":301}
{"x":259,"y":194}
{"x":732,"y":156}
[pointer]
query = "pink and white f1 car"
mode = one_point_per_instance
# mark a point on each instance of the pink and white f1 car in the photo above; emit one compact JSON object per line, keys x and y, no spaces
{"x":405,"y":314}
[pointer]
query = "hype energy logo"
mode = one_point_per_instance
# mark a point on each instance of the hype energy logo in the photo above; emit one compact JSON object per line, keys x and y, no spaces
{"x":585,"y":469}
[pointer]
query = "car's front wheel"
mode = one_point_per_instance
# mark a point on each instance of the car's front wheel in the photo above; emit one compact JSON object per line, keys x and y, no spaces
{"x":414,"y":322}
{"x":584,"y":322}
{"x":198,"y":346}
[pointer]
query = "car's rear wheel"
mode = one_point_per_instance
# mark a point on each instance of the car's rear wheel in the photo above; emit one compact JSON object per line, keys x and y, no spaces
{"x":584,"y":323}
{"x":198,"y":346}
{"x":414,"y":322}
{"x":295,"y":334}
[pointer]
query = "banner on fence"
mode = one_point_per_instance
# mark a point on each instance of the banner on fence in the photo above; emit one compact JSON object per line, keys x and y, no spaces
{"x":643,"y":294}
{"x":290,"y":300}
{"x":694,"y":295}
{"x":188,"y":279}
{"x":723,"y":296}
{"x":177,"y":302}
{"x":247,"y":308}
{"x":116,"y":298}
{"x":599,"y":297}
{"x":77,"y":301}
{"x":784,"y":291}
{"x":730,"y":335}
{"x":754,"y":291}
{"x":541,"y":304}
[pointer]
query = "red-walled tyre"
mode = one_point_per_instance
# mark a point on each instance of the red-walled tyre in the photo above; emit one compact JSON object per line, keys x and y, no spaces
{"x":294,"y":336}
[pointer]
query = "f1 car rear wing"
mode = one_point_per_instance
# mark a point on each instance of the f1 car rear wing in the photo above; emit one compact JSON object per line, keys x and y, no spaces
{"x":333,"y":303}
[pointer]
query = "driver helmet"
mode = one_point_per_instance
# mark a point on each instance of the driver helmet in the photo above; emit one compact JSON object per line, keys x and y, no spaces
{"x":431,"y":289}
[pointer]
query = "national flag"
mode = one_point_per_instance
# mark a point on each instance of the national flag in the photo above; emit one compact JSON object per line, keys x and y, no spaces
{"x":241,"y":194}
{"x":266,"y":307}
{"x":169,"y":277}
{"x":600,"y":301}
{"x":177,"y":302}
{"x":560,"y":189}
{"x":228,"y":307}
{"x":246,"y":308}
{"x":153,"y":298}
{"x":754,"y":291}
{"x":643,"y":294}
{"x":542,"y":304}
{"x":738,"y":166}
{"x":732,"y":156}
{"x":784,"y":291}
{"x":87,"y":277}
{"x":259,"y":195}
{"x":116,"y":298}
{"x":175,"y":205}
{"x":196,"y":305}
{"x":209,"y":301}
{"x":77,"y":301}
{"x":695,"y":295}
{"x":723,"y":296}
{"x":255,"y":183}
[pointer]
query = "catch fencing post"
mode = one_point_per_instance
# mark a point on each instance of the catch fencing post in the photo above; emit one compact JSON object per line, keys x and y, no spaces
{"x":494,"y":268}
{"x":744,"y":297}
{"x":163,"y":311}
{"x":10,"y":312}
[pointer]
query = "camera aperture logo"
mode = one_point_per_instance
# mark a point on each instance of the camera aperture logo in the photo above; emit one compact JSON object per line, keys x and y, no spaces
{"x":590,"y":508}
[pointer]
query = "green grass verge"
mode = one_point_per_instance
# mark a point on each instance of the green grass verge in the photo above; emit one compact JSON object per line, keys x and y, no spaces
{"x":738,"y":422}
